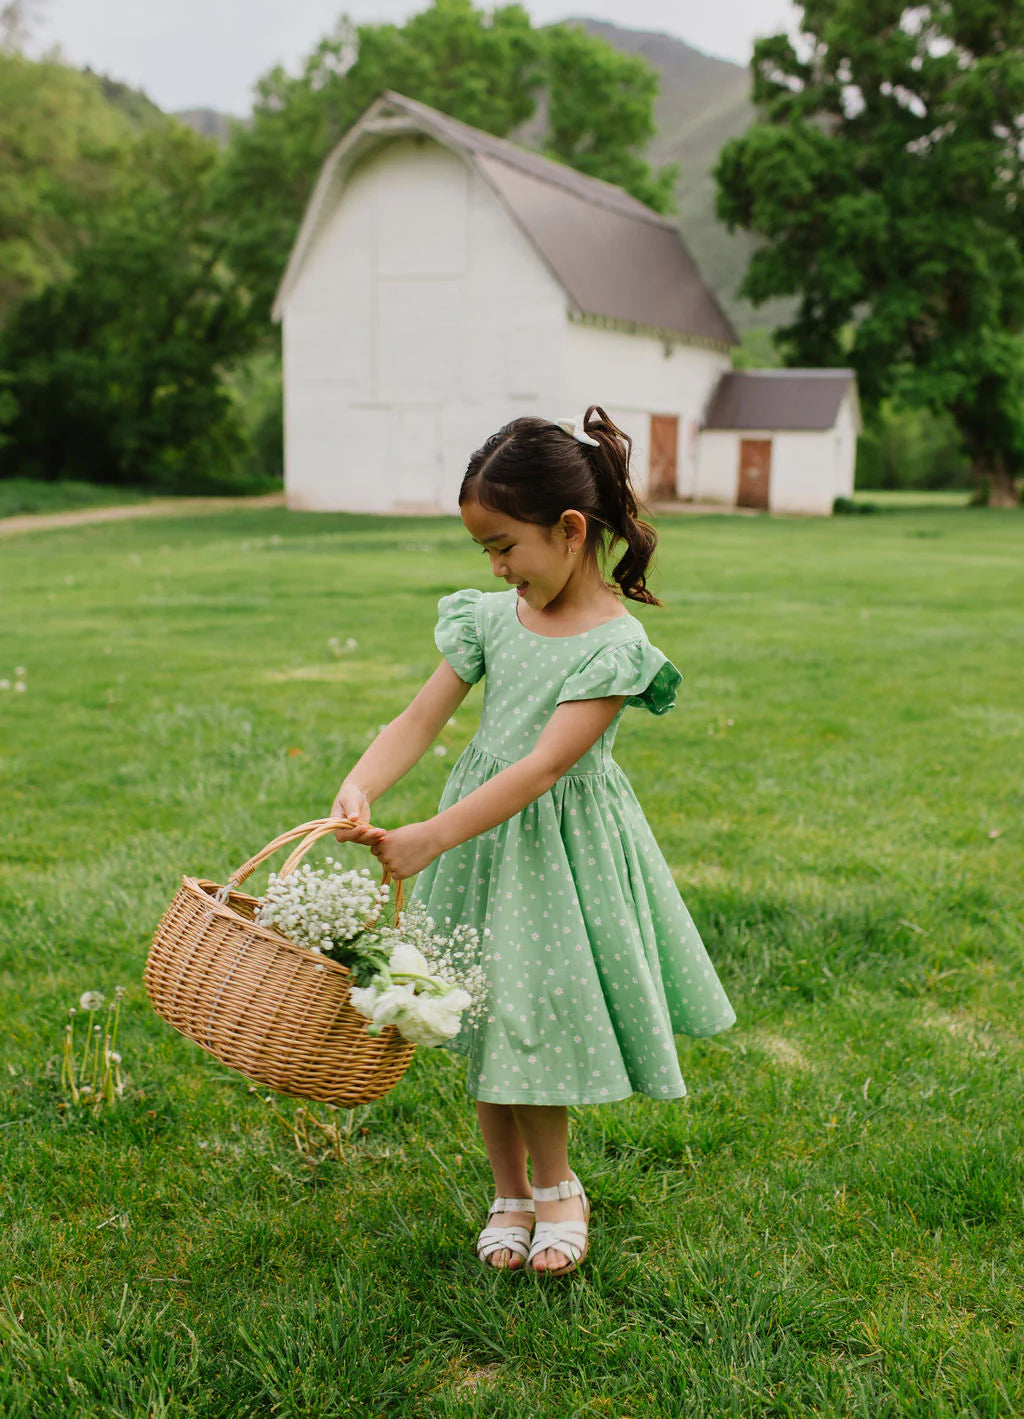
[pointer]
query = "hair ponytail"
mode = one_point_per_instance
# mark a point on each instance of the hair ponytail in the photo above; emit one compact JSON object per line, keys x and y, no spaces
{"x":533,"y":470}
{"x":610,"y":463}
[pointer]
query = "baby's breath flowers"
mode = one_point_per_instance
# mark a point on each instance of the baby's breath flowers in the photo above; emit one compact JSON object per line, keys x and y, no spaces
{"x":321,"y":909}
{"x":411,"y":976}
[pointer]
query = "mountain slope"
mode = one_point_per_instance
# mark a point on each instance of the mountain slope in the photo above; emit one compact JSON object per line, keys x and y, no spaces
{"x":702,"y":104}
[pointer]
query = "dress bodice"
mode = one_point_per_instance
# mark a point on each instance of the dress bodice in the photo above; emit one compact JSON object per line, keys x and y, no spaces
{"x":528,"y":675}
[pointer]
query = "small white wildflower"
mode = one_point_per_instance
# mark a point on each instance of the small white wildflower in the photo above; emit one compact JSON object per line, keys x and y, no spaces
{"x":91,"y":1000}
{"x":5,"y":684}
{"x":440,"y":751}
{"x":351,"y":643}
{"x":19,"y":670}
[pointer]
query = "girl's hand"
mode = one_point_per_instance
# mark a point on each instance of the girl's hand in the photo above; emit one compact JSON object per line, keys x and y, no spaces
{"x":406,"y":851}
{"x":352,"y":802}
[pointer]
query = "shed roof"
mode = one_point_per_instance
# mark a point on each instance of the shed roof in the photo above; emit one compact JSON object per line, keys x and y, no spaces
{"x":778,"y":399}
{"x":614,"y":257}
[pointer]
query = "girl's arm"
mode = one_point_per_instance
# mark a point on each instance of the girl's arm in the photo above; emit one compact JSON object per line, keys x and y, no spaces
{"x":569,"y":733}
{"x":396,"y":748}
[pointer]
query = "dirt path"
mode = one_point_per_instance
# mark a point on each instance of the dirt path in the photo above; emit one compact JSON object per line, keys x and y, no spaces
{"x":188,"y":507}
{"x":159,"y":507}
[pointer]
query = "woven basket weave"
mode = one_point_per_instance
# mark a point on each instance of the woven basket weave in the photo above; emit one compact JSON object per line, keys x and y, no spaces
{"x":276,"y":1012}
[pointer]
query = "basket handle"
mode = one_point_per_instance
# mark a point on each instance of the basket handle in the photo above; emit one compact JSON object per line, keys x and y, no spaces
{"x":310,"y":833}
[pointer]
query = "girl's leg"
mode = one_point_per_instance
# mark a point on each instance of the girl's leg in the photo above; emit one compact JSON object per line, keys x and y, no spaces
{"x":507,"y":1153}
{"x":545,"y":1131}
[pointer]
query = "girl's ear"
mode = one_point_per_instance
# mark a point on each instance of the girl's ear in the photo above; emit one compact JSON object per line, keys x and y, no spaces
{"x":574,"y":527}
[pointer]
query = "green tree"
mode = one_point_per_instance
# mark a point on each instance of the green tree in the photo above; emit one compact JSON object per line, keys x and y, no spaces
{"x":116,"y":372}
{"x":62,"y":151}
{"x":488,"y":70}
{"x":885,"y":179}
{"x":601,"y":114}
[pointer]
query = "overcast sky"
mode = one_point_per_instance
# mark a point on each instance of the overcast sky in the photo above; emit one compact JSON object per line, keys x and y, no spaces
{"x":208,"y":53}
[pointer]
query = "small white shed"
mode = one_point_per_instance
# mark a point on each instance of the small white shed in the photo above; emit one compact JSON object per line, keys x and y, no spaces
{"x":781,"y":440}
{"x":444,"y":281}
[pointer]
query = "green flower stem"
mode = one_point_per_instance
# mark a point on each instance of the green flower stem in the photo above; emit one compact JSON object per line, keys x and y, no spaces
{"x":405,"y":977}
{"x":84,"y":1066}
{"x":68,"y":1073}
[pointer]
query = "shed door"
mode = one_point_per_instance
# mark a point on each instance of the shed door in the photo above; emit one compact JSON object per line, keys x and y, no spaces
{"x":664,"y":442}
{"x":755,"y":473}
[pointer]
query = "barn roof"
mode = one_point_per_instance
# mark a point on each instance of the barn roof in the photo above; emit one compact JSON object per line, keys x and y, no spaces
{"x":615,"y":258}
{"x":778,"y":399}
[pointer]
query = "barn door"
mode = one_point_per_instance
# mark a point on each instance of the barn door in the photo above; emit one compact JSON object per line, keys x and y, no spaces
{"x":664,"y":442}
{"x":755,"y":473}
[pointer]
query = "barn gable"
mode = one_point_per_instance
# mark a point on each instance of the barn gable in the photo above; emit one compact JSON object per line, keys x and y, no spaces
{"x":617,"y":260}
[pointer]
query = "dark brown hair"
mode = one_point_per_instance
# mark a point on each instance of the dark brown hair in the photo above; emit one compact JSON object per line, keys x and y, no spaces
{"x":534,"y":471}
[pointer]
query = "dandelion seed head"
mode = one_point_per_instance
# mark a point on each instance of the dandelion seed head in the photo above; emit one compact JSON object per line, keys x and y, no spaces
{"x":91,"y":1000}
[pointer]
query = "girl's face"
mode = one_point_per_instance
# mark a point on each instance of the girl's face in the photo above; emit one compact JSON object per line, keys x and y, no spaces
{"x":538,"y":561}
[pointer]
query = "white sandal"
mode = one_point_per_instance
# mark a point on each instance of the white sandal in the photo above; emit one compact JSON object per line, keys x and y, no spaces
{"x":514,"y":1239}
{"x":570,"y":1238}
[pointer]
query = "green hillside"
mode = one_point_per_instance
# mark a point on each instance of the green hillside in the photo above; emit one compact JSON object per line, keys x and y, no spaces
{"x":703,"y":103}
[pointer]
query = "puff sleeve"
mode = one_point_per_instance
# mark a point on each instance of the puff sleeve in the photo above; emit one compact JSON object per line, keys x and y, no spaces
{"x":457,"y":634}
{"x":637,"y":670}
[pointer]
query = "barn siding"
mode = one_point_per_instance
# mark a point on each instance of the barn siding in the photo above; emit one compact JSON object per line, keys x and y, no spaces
{"x":632,"y":377}
{"x":421,"y":321}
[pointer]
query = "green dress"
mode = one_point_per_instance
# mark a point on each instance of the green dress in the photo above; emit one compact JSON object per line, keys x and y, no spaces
{"x":592,"y":960}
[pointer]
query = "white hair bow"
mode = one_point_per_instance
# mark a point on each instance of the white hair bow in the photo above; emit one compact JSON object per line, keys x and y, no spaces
{"x":574,"y":426}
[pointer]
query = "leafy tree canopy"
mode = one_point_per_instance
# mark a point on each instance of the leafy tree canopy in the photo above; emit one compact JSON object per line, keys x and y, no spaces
{"x":115,"y":373}
{"x":885,"y":179}
{"x":486,"y":69}
{"x":62,"y":150}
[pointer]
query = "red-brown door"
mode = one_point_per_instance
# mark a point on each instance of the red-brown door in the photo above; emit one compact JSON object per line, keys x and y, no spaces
{"x":755,"y":473}
{"x":664,"y":443}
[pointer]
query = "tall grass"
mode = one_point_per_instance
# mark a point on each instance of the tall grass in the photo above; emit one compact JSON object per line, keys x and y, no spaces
{"x":829,"y":1224}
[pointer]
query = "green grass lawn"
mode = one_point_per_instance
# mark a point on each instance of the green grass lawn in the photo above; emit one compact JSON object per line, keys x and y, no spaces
{"x":902,"y":499}
{"x":830,"y":1223}
{"x":24,"y":495}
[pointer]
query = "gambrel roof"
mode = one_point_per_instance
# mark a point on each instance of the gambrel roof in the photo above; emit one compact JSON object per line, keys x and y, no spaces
{"x":616,"y":259}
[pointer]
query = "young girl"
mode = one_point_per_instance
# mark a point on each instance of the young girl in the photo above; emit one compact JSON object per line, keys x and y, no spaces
{"x":592,"y":959}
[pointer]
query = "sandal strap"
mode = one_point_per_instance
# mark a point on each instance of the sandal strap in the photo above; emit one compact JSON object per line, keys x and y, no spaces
{"x":568,"y":1187}
{"x":570,"y":1238}
{"x":511,"y":1204}
{"x":514,"y":1239}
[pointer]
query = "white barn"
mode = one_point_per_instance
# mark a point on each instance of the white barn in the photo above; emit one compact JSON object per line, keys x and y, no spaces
{"x":781,"y":440}
{"x":444,"y":281}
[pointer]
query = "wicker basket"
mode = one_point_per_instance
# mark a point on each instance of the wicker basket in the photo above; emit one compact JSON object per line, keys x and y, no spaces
{"x":276,"y":1012}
